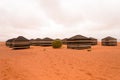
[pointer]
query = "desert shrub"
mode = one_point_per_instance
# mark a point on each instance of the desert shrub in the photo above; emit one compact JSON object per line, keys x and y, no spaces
{"x":57,"y":44}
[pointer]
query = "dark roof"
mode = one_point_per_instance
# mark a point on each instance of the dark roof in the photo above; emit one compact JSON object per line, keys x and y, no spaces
{"x":38,"y":39}
{"x":57,"y":39}
{"x":92,"y":38}
{"x":78,"y":37}
{"x":109,"y":38}
{"x":10,"y":40}
{"x":47,"y":39}
{"x":64,"y":39}
{"x":31,"y":39}
{"x":21,"y":38}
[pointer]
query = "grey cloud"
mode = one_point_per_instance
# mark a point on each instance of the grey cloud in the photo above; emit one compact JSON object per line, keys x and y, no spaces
{"x":54,"y":11}
{"x":103,"y":12}
{"x":18,"y":21}
{"x":35,"y":18}
{"x":18,"y":14}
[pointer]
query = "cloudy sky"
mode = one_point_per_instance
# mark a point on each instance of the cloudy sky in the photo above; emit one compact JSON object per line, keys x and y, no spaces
{"x":59,"y":18}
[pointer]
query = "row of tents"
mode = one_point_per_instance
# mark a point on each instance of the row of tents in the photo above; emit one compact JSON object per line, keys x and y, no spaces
{"x":75,"y":42}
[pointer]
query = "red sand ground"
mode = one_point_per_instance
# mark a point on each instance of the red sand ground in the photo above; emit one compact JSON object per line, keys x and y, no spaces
{"x":46,"y":63}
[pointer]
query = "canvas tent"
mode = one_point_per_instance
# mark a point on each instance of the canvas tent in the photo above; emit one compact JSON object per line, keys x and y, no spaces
{"x":20,"y":43}
{"x":93,"y":41}
{"x":31,"y":41}
{"x":9,"y":42}
{"x":79,"y":42}
{"x":46,"y":42}
{"x":36,"y":42}
{"x":109,"y":41}
{"x":64,"y":41}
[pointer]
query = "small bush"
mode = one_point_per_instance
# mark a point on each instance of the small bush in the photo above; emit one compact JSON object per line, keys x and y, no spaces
{"x":57,"y":44}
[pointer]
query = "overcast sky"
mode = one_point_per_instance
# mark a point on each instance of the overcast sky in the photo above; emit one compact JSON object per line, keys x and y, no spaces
{"x":59,"y":18}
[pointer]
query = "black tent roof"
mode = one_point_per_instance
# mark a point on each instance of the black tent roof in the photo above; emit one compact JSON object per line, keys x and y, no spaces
{"x":10,"y":40}
{"x":109,"y":38}
{"x":78,"y":37}
{"x":38,"y":39}
{"x":92,"y":38}
{"x":47,"y":39}
{"x":21,"y":38}
{"x":31,"y":39}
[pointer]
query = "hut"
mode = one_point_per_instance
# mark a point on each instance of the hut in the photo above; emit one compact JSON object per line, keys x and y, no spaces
{"x":78,"y":42}
{"x":36,"y":42}
{"x":109,"y":41}
{"x":31,"y":41}
{"x":64,"y":41}
{"x":93,"y":41}
{"x":9,"y":42}
{"x":20,"y":43}
{"x":57,"y":39}
{"x":46,"y":42}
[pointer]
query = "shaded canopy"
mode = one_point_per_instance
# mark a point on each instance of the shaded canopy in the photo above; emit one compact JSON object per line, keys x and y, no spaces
{"x":109,"y":38}
{"x":92,"y":38}
{"x":31,"y":39}
{"x":10,"y":40}
{"x":38,"y":39}
{"x":57,"y":39}
{"x":20,"y":38}
{"x":78,"y":37}
{"x":47,"y":39}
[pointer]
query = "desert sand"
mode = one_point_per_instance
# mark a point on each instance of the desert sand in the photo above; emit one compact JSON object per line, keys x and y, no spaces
{"x":46,"y":63}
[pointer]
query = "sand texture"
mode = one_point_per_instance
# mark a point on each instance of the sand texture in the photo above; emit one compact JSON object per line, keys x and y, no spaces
{"x":46,"y":63}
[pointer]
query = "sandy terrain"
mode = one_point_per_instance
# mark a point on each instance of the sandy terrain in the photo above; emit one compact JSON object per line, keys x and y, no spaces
{"x":46,"y":63}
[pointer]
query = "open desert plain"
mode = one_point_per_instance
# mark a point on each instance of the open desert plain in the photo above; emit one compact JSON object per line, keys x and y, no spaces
{"x":46,"y":63}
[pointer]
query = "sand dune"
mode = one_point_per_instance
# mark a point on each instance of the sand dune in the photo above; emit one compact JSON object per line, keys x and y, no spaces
{"x":46,"y":63}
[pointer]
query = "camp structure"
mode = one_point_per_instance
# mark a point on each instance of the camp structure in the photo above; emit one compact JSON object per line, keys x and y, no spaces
{"x":46,"y":42}
{"x":20,"y":43}
{"x":57,"y":39}
{"x":9,"y":42}
{"x":93,"y":41}
{"x":78,"y":42}
{"x":109,"y":41}
{"x":31,"y":41}
{"x":36,"y":42}
{"x":64,"y":41}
